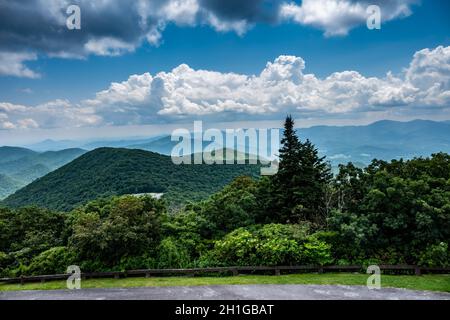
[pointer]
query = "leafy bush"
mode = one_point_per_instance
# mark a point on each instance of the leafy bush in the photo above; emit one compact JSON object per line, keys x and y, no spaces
{"x":436,"y":255}
{"x":315,"y":251}
{"x":392,"y":211}
{"x":229,"y":209}
{"x":172,"y":255}
{"x":5,"y":260}
{"x":272,"y":244}
{"x":137,"y":262}
{"x":53,"y":261}
{"x":129,"y":226}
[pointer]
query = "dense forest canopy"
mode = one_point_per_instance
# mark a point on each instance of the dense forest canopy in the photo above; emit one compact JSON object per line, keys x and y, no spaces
{"x":389,"y":212}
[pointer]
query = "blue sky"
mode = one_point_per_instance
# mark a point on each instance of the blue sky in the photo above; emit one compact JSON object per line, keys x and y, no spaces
{"x":67,"y":83}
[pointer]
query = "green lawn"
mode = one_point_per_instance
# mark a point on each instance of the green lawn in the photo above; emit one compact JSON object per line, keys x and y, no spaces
{"x":425,"y":282}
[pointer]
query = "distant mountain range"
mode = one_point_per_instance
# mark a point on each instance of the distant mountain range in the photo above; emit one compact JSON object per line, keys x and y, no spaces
{"x":108,"y":171}
{"x":385,"y":140}
{"x":56,"y":145}
{"x":20,"y":166}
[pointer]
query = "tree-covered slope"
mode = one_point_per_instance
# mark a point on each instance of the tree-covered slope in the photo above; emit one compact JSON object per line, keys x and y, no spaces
{"x":13,"y":153}
{"x":20,"y":166}
{"x":49,"y":159}
{"x":108,"y":171}
{"x":7,"y":185}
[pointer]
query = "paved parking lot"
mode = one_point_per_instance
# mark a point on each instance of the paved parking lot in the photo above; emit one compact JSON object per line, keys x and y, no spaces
{"x":230,"y":292}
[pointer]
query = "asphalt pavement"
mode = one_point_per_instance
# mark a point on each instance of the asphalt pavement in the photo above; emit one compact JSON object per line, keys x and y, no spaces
{"x":230,"y":292}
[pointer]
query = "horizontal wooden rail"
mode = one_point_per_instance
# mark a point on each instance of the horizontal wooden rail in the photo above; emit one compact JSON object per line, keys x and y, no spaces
{"x":234,"y":270}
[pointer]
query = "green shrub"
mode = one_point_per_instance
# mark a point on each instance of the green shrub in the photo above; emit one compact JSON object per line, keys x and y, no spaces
{"x":53,"y":261}
{"x":172,"y":255}
{"x":278,"y":252}
{"x":122,"y":226}
{"x":435,"y":256}
{"x":137,"y":262}
{"x":237,"y":248}
{"x":315,"y":251}
{"x":272,"y":244}
{"x":4,"y":260}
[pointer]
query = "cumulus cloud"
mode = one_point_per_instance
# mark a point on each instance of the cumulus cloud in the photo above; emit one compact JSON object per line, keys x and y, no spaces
{"x":27,"y":123}
{"x":337,"y":17}
{"x":13,"y":64}
{"x":53,"y":114}
{"x":108,"y":47}
{"x":281,"y":87}
{"x":5,"y":124}
{"x":114,"y":27}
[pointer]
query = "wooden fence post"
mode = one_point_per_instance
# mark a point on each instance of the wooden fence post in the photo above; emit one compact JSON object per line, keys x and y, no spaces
{"x":417,"y":271}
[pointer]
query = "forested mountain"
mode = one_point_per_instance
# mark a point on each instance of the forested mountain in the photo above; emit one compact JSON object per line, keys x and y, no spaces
{"x":13,"y":153}
{"x":20,"y":166}
{"x":108,"y":171}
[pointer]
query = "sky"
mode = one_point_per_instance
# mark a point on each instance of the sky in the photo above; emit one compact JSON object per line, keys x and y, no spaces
{"x":146,"y":66}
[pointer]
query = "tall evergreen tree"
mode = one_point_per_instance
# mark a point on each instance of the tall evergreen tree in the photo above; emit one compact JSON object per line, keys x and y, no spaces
{"x":313,"y":179}
{"x":286,"y":180}
{"x":297,"y":191}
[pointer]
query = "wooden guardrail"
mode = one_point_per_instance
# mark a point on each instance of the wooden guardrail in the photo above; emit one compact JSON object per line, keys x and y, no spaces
{"x":277,"y":270}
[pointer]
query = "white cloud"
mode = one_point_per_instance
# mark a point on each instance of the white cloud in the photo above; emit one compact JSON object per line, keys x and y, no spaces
{"x":12,"y":108}
{"x":13,"y":64}
{"x":337,"y":17}
{"x":53,"y":114}
{"x":238,"y":26}
{"x":281,"y":87}
{"x":108,"y":46}
{"x":430,"y":67}
{"x":5,"y":124}
{"x":27,"y":123}
{"x":340,"y":156}
{"x":180,"y":11}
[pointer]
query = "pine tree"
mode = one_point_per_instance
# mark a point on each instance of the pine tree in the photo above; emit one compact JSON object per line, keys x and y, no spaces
{"x":298,"y":189}
{"x":286,"y":181}
{"x":313,"y":178}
